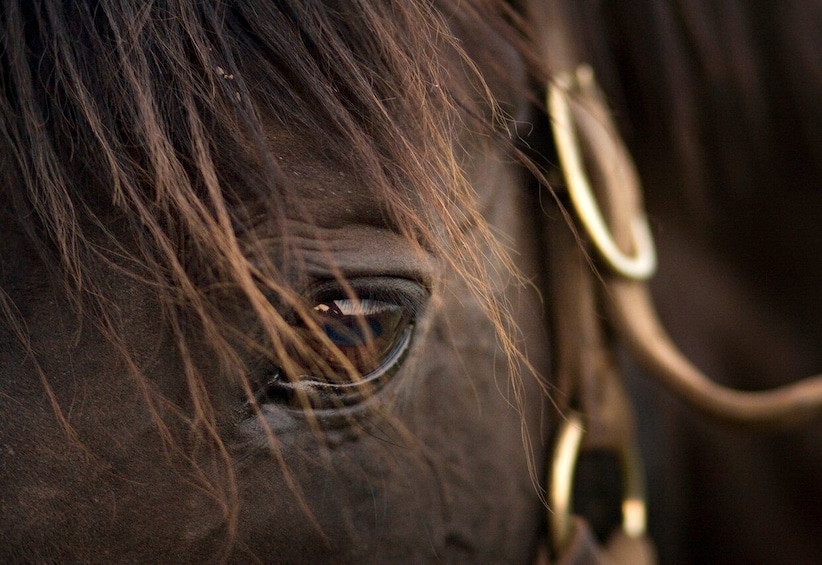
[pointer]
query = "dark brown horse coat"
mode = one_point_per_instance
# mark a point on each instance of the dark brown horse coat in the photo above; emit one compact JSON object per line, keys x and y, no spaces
{"x":186,"y":188}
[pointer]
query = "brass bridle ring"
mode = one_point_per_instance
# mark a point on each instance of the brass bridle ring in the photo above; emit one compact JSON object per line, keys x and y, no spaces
{"x":560,"y":489}
{"x":642,"y":264}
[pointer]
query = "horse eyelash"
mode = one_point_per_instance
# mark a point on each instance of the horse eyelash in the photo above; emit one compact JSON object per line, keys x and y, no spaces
{"x":412,"y":298}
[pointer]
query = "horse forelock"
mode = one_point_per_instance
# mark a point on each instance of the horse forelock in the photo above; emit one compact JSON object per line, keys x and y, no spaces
{"x":145,"y":115}
{"x":135,"y":136}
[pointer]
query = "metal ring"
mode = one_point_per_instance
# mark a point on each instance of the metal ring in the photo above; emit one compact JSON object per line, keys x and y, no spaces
{"x":642,"y":264}
{"x":560,"y":487}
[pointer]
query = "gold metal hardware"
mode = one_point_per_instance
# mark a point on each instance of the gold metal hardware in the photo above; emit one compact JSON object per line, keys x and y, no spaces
{"x":609,"y":149}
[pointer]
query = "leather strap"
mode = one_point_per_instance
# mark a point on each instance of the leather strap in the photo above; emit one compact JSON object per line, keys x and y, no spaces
{"x":593,"y":398}
{"x":620,"y":549}
{"x":588,"y":379}
{"x":590,"y":388}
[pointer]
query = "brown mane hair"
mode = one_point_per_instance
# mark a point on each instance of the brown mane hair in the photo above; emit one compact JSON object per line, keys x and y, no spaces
{"x":132,"y":135}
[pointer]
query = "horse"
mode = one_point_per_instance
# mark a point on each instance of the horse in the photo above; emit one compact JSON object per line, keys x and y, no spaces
{"x":240,"y":248}
{"x":274,"y":289}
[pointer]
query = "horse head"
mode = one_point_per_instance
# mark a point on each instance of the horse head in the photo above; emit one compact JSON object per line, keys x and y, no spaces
{"x":323,"y":282}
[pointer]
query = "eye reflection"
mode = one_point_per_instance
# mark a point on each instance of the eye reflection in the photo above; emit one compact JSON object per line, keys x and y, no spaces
{"x":350,"y":349}
{"x":364,"y":331}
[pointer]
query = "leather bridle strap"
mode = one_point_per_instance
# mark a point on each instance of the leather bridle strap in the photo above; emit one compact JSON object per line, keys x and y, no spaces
{"x":633,"y":315}
{"x":613,"y":229}
{"x":596,"y":410}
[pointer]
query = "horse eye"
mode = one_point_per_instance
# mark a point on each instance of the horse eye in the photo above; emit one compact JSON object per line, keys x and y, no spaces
{"x":353,"y":347}
{"x":366,"y":332}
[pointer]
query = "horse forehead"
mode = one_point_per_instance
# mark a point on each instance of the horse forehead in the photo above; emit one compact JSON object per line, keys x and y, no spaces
{"x":322,"y":189}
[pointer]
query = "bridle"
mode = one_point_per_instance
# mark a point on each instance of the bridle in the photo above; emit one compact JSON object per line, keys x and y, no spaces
{"x":596,"y":409}
{"x":599,"y":273}
{"x":594,"y":307}
{"x":629,"y":303}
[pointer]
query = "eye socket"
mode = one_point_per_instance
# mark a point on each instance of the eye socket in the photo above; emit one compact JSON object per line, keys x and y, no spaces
{"x":353,"y":345}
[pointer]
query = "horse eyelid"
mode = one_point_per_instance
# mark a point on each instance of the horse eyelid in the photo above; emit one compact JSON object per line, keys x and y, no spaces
{"x":408,"y":294}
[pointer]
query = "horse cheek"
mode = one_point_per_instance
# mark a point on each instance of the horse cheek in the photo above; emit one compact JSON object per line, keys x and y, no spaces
{"x":85,"y":471}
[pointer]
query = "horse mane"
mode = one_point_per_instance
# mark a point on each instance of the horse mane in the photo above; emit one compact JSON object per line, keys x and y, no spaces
{"x":132,"y":134}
